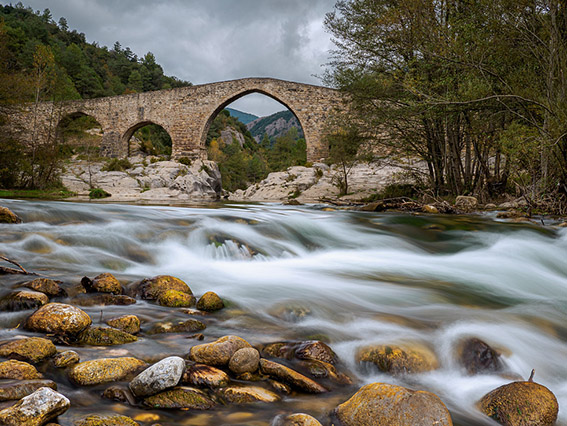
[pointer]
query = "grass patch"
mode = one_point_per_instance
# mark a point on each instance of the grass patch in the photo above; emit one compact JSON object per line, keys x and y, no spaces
{"x":98,"y":193}
{"x":43,"y":194}
{"x":117,"y":165}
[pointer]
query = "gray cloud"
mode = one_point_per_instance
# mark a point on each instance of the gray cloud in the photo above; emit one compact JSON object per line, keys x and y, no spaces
{"x":211,"y":40}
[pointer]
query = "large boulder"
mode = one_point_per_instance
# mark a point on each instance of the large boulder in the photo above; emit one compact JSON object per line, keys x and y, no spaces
{"x":398,"y":360}
{"x":521,"y":404}
{"x":151,"y":288}
{"x":158,"y":377}
{"x":292,"y":377}
{"x":219,"y":352}
{"x":58,"y":318}
{"x":181,"y":397}
{"x":35,"y":409}
{"x":18,"y":370}
{"x":105,"y":370}
{"x":389,"y":405}
{"x":8,"y":216}
{"x":30,"y":349}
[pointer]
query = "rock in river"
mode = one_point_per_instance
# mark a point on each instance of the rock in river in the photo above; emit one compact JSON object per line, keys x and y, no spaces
{"x":65,"y":359}
{"x":219,"y":352}
{"x":181,"y":397}
{"x":150,"y":288}
{"x":296,"y":419}
{"x":210,"y":302}
{"x":46,"y":286}
{"x":58,"y":318}
{"x":245,"y":360}
{"x":22,"y":300}
{"x":398,"y":360}
{"x":30,"y":349}
{"x":389,"y":405}
{"x":8,"y":216}
{"x":104,"y":336}
{"x":205,"y":375}
{"x":35,"y":409}
{"x":127,"y":323}
{"x":287,"y":375}
{"x":246,"y":394}
{"x":17,"y":389}
{"x":105,"y":283}
{"x":96,"y":420}
{"x":105,"y":370}
{"x":158,"y":377}
{"x":478,"y":357}
{"x":18,"y":370}
{"x":176,"y":299}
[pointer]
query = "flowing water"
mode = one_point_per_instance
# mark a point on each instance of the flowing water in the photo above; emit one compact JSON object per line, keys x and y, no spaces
{"x":296,"y":273}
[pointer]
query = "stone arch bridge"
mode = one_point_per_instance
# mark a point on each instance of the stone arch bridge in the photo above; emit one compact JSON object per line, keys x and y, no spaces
{"x":185,"y":113}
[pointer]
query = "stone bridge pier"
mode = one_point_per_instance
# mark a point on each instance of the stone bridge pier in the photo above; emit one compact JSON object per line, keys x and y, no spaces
{"x":185,"y":113}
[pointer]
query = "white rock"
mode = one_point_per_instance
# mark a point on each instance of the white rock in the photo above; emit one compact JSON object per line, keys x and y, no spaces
{"x":35,"y":409}
{"x":160,"y":376}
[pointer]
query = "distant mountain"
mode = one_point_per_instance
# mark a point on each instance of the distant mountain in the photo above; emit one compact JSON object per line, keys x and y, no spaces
{"x":244,"y":117}
{"x":274,"y":125}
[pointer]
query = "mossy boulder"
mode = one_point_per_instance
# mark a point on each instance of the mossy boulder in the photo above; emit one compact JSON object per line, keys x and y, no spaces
{"x":219,"y":352}
{"x":247,"y":394}
{"x":399,"y":360}
{"x":521,"y":404}
{"x":389,"y":405}
{"x":105,"y":370}
{"x":150,"y":288}
{"x":106,"y":283}
{"x":187,"y":326}
{"x":22,"y":300}
{"x":46,"y":286}
{"x":8,"y":216}
{"x":127,"y":323}
{"x":478,"y":357}
{"x":36,"y":409}
{"x":30,"y":349}
{"x":94,"y":299}
{"x":245,"y":360}
{"x":58,"y":318}
{"x":296,"y":419}
{"x":17,"y":389}
{"x":66,"y":358}
{"x":96,"y":420}
{"x":18,"y":370}
{"x":104,"y":336}
{"x":181,"y":397}
{"x":290,"y":376}
{"x":205,"y":376}
{"x":210,"y":302}
{"x":176,"y":299}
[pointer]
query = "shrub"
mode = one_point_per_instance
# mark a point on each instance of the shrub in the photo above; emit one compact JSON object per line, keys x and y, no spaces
{"x":185,"y":160}
{"x":117,"y":165}
{"x":98,"y":193}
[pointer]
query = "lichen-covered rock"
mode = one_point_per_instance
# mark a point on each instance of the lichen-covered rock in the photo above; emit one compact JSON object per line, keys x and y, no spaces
{"x":466,"y":202}
{"x":105,"y":370}
{"x":94,"y":299}
{"x":35,"y":409}
{"x":389,"y":405}
{"x":158,"y":377}
{"x":18,"y":370}
{"x":245,"y":360}
{"x":8,"y":216}
{"x":292,"y":377}
{"x":320,"y":369}
{"x":187,"y":326}
{"x":96,"y":420}
{"x":58,"y":318}
{"x":219,"y":352}
{"x":246,"y":394}
{"x":478,"y":357}
{"x":106,"y":283}
{"x":315,"y":350}
{"x":398,"y":360}
{"x":150,"y":288}
{"x":210,"y":302}
{"x":181,"y":397}
{"x":205,"y":375}
{"x":521,"y":404}
{"x":296,"y":419}
{"x":45,"y":286}
{"x":30,"y":349}
{"x":17,"y":389}
{"x":104,"y":336}
{"x":176,"y":299}
{"x":65,"y":359}
{"x":127,"y":323}
{"x":22,"y":300}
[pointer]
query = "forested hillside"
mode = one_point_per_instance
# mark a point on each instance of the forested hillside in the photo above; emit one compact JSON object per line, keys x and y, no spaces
{"x":274,"y":125}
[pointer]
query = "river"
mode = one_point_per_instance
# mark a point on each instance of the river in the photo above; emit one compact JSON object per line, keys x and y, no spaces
{"x":296,"y":273}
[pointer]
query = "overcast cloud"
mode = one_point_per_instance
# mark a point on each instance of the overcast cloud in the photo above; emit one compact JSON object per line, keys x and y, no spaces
{"x":204,"y":41}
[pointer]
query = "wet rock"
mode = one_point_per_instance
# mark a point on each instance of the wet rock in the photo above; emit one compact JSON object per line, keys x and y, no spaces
{"x":103,"y":299}
{"x":18,"y":370}
{"x":65,"y":359}
{"x":282,"y":350}
{"x":96,"y":420}
{"x":219,"y":352}
{"x":291,"y":312}
{"x":104,"y":336}
{"x":150,"y":288}
{"x":385,"y":404}
{"x":105,"y":370}
{"x":478,"y":357}
{"x":287,"y":375}
{"x":35,"y":409}
{"x":30,"y":349}
{"x":17,"y":389}
{"x":176,"y":299}
{"x":210,"y":302}
{"x":205,"y":375}
{"x":521,"y":404}
{"x":280,"y":387}
{"x":427,"y":208}
{"x":398,"y":360}
{"x":246,"y":394}
{"x":315,"y":350}
{"x":320,"y":369}
{"x":106,"y":283}
{"x":127,"y":323}
{"x":119,"y":394}
{"x":58,"y":318}
{"x":296,"y":419}
{"x":245,"y":360}
{"x":22,"y":300}
{"x":46,"y":286}
{"x":8,"y":216}
{"x":158,"y":377}
{"x":181,"y":397}
{"x":467,"y":203}
{"x":187,"y":326}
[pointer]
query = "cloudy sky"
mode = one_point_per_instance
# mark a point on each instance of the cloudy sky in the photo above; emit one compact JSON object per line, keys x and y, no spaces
{"x":203,"y":41}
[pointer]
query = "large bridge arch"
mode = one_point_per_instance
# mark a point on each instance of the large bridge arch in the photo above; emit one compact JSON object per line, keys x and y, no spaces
{"x":127,"y":135}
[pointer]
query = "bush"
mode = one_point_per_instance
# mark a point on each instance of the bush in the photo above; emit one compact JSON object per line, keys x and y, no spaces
{"x":117,"y":165}
{"x":185,"y":160}
{"x":97,"y":193}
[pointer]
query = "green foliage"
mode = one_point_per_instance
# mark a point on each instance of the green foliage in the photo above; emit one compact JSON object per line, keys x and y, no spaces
{"x":154,"y":140}
{"x":117,"y":165}
{"x":185,"y":160}
{"x":97,"y":193}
